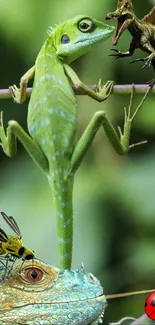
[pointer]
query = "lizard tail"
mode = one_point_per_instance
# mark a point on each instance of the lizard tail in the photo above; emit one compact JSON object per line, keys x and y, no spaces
{"x":63,"y":191}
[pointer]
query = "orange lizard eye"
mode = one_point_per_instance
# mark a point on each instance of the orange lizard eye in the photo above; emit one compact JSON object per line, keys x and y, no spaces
{"x":33,"y":274}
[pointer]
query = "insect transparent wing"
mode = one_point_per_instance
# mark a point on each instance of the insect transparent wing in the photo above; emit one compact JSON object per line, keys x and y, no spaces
{"x":16,"y":228}
{"x":3,"y":236}
{"x":12,"y":223}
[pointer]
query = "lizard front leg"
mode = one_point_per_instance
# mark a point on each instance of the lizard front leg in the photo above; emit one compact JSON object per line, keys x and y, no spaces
{"x":8,"y":140}
{"x":78,"y":84}
{"x":119,"y":54}
{"x":120,"y":144}
{"x":148,"y":60}
{"x":9,"y":143}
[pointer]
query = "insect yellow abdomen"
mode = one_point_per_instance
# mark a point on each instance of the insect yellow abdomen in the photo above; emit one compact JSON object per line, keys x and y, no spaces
{"x":13,"y":246}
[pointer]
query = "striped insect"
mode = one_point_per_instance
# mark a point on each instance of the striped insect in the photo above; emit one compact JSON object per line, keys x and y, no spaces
{"x":11,"y":245}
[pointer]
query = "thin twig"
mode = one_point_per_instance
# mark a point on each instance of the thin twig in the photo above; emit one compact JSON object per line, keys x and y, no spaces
{"x":122,"y":321}
{"x":127,"y":294}
{"x":142,"y":320}
{"x":117,"y":89}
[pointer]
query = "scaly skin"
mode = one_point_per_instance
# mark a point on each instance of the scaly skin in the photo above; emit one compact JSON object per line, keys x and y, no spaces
{"x":39,"y":294}
{"x":52,"y":117}
{"x":142,"y":31}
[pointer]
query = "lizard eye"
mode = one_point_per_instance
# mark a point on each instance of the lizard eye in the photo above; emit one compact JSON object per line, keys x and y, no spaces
{"x":86,"y":25}
{"x":33,"y":274}
{"x":127,"y":5}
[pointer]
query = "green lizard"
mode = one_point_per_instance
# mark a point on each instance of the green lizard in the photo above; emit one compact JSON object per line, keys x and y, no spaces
{"x":52,"y":117}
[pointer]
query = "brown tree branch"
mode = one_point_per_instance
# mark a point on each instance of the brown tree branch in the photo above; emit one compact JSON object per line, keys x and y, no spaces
{"x":117,"y":89}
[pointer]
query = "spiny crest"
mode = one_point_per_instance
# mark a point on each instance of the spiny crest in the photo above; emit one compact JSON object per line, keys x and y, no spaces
{"x":81,"y":269}
{"x":50,"y":30}
{"x":150,"y":18}
{"x":122,"y":3}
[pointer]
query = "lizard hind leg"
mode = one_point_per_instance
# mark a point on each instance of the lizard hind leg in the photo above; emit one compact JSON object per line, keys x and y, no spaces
{"x":129,"y":119}
{"x":9,"y":143}
{"x":120,"y":144}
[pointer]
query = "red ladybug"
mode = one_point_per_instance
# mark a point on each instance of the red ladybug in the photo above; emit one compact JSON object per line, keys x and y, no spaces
{"x":150,"y":306}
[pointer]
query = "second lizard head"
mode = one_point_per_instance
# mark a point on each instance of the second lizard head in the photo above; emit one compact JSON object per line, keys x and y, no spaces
{"x":124,"y":15}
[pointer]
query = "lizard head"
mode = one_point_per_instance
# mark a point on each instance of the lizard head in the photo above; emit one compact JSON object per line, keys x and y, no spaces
{"x":124,"y":15}
{"x":62,"y":296}
{"x":77,"y":36}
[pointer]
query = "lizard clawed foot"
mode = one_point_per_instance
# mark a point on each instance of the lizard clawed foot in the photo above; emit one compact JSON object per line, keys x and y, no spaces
{"x":151,"y":82}
{"x":129,"y":119}
{"x":15,"y":93}
{"x":128,"y":116}
{"x":118,"y":54}
{"x":106,"y":90}
{"x":147,"y":60}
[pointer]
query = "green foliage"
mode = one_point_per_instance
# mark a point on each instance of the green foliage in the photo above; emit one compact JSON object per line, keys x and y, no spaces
{"x":114,"y":196}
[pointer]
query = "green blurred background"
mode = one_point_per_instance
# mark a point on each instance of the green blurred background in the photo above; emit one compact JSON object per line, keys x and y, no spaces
{"x":114,"y":197}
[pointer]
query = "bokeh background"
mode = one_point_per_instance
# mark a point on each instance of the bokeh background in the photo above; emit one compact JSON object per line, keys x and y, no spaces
{"x":114,"y":197}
